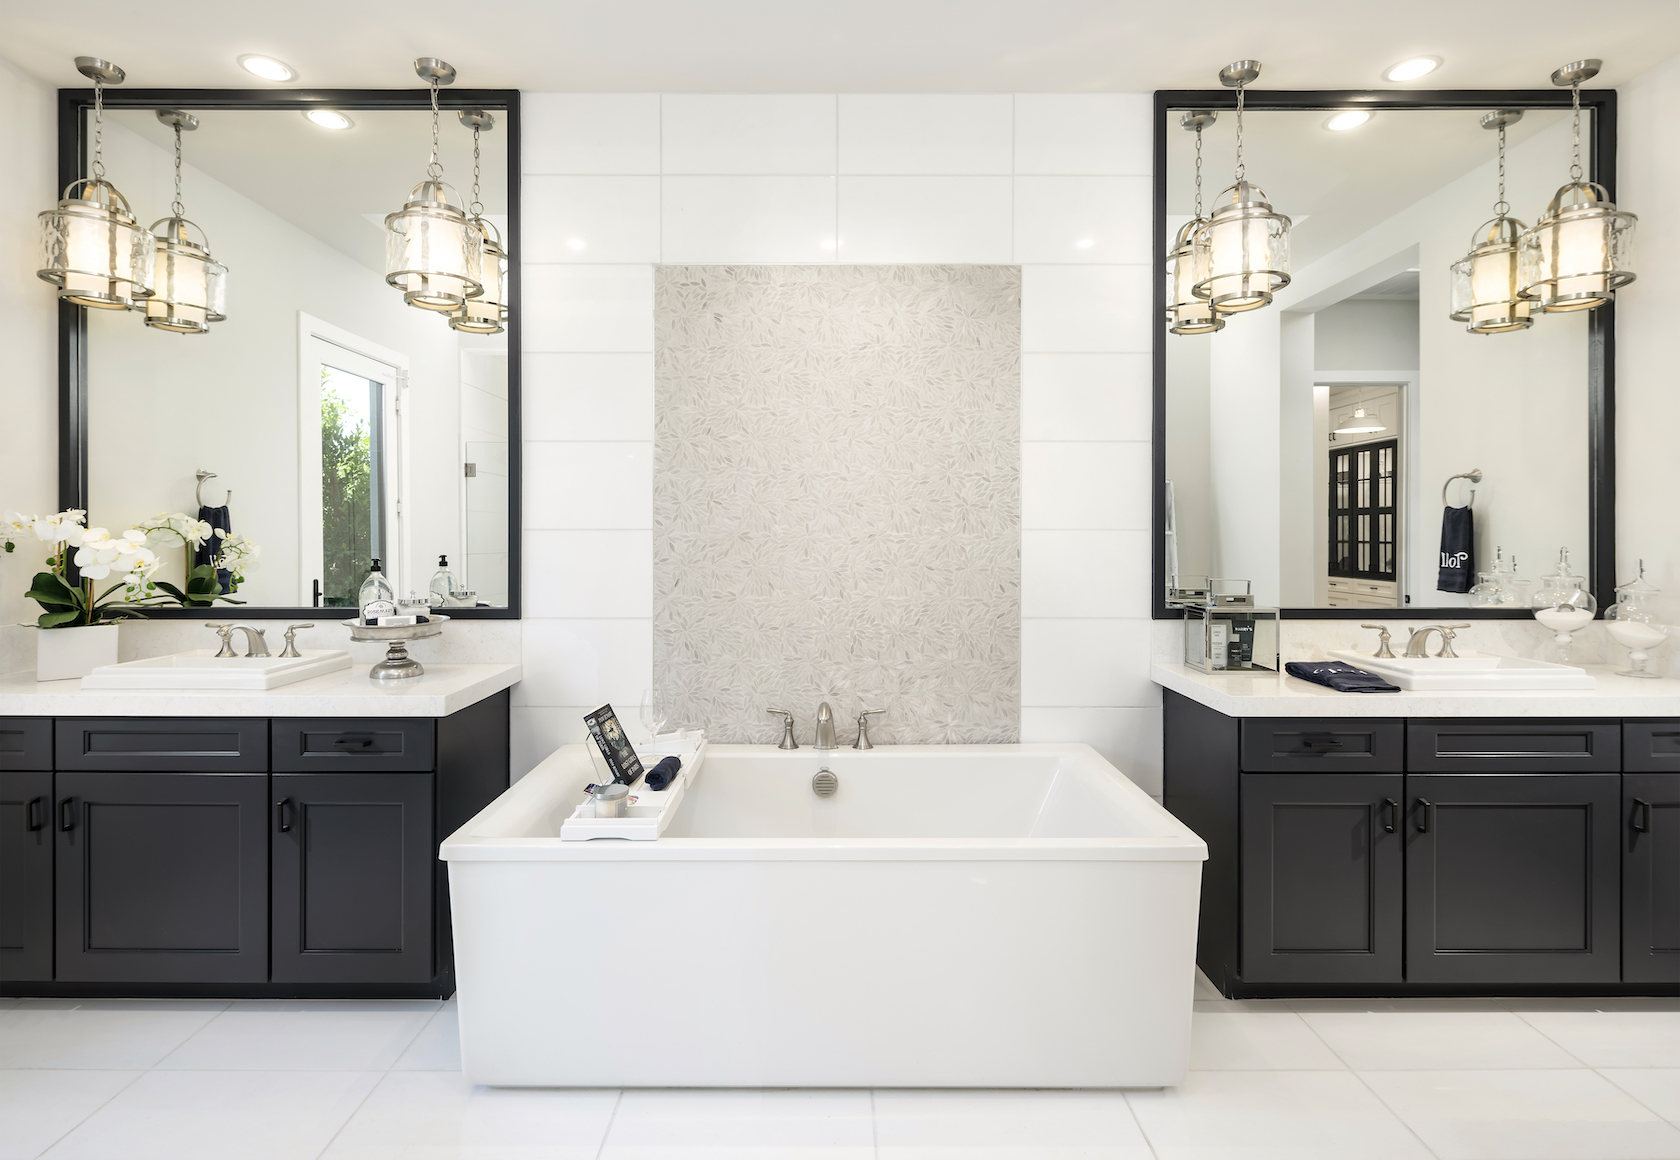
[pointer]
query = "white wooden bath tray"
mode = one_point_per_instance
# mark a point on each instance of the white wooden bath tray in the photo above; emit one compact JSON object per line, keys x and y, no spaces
{"x":648,"y":812}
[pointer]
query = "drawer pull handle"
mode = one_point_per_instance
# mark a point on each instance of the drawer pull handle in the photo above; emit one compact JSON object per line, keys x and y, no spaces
{"x":1641,"y":820}
{"x":354,"y":742}
{"x":36,"y":815}
{"x":1393,"y":822}
{"x":67,"y":814}
{"x":1426,"y":815}
{"x":1320,"y":744}
{"x":280,"y":808}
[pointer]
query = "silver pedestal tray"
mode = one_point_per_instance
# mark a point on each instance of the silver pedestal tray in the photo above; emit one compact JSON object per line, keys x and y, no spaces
{"x":397,"y":663}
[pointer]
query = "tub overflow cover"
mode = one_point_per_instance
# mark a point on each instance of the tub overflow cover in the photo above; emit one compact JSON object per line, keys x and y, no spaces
{"x":824,"y":784}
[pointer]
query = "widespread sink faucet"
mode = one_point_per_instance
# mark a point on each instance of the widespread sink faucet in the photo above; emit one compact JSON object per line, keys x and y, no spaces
{"x":825,"y":727}
{"x":1418,"y":647}
{"x":255,"y":644}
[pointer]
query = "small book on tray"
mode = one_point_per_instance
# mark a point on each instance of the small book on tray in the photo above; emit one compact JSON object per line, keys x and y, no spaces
{"x":614,"y":745}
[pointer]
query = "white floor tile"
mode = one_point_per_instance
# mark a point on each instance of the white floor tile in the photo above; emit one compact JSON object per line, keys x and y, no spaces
{"x":1250,"y":1041}
{"x":730,"y":1125}
{"x":1006,"y":1125}
{"x":1392,"y":1040}
{"x":97,"y":1033}
{"x":1613,"y":1038}
{"x":37,"y":1107}
{"x":1658,"y":1088}
{"x":440,"y":1116}
{"x":302,"y":1037}
{"x":1272,"y":1115}
{"x":437,"y":1047}
{"x":220,"y":1115}
{"x":1525,"y":1115}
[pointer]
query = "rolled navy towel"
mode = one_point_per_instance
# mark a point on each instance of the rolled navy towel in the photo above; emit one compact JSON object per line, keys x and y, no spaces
{"x":664,"y":773}
{"x":1343,"y":678}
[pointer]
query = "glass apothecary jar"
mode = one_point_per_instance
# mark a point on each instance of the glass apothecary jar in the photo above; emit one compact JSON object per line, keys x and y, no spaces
{"x":1633,"y":624}
{"x":1563,"y":604}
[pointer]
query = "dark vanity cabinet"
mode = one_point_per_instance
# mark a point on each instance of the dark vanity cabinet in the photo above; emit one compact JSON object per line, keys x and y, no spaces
{"x":236,"y":857}
{"x":1394,"y":856}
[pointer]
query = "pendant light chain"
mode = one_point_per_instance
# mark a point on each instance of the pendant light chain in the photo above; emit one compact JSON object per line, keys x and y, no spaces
{"x":477,"y":206}
{"x":435,"y":169}
{"x":1241,"y":169}
{"x":98,"y":168}
{"x":1575,"y":170}
{"x":1198,"y":170}
{"x":1501,"y":207}
{"x":176,"y":207}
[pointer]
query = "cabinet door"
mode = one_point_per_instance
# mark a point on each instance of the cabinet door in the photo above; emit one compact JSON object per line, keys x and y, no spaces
{"x":1321,"y":877}
{"x":1651,"y":878}
{"x":26,"y":877}
{"x":1513,"y":878}
{"x":353,"y":856}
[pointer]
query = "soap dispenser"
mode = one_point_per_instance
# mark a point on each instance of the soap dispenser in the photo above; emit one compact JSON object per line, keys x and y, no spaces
{"x":443,"y":586}
{"x":377,"y":598}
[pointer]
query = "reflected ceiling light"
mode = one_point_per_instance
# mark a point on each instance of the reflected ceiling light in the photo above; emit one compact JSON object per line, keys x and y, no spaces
{"x":1360,"y":423}
{"x":1086,"y":243}
{"x":92,"y":248}
{"x":1577,"y":255}
{"x":1347,"y":119}
{"x":1485,"y":282}
{"x":580,"y":244}
{"x":267,"y":67}
{"x":328,"y":119}
{"x":190,"y":285}
{"x":1246,"y":242}
{"x":1187,"y":260}
{"x":1411,"y":70}
{"x":432,"y":250}
{"x":485,"y":312}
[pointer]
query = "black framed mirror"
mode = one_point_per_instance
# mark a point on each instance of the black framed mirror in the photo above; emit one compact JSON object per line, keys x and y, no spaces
{"x":345,"y":423}
{"x":1245,"y":435}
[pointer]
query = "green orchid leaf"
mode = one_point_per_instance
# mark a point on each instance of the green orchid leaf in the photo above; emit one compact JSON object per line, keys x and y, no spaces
{"x":52,"y":619}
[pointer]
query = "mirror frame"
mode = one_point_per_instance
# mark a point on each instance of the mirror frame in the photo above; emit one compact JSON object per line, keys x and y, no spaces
{"x":1601,"y":324}
{"x":72,"y":320}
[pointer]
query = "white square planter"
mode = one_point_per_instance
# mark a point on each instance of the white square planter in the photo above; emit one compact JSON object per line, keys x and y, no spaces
{"x":62,"y":653}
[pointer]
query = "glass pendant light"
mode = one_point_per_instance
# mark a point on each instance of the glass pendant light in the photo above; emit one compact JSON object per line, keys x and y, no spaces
{"x":1186,"y":260}
{"x":92,"y":248}
{"x":485,"y":313}
{"x":1577,"y":255}
{"x":1247,"y":243}
{"x":1485,"y":281}
{"x":189,"y":286}
{"x":431,"y":247}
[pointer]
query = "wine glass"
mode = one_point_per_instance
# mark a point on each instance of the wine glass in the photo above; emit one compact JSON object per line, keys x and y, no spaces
{"x":653,"y":715}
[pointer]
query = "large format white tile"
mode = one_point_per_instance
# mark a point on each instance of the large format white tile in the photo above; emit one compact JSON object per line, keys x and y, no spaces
{"x":1072,"y":663}
{"x":440,"y":1116}
{"x":734,"y":133}
{"x":1393,"y":1040}
{"x":587,"y":396}
{"x":1077,"y":133}
{"x":1073,"y":573}
{"x":1272,"y":1115}
{"x":1088,"y":486}
{"x":1085,"y":397}
{"x":37,"y":1107}
{"x":589,"y":133}
{"x":886,"y":220}
{"x":1250,"y":1041}
{"x":587,"y":308}
{"x":438,"y":1046}
{"x":1613,"y":1038}
{"x":770,"y":220}
{"x":1128,"y":739}
{"x":573,"y":574}
{"x":728,"y":1125}
{"x":589,"y":485}
{"x":538,"y":730}
{"x":1525,"y":1115}
{"x":586,"y":662}
{"x":109,"y":1033}
{"x":590,"y":219}
{"x":1006,"y":1125}
{"x":215,"y":1115}
{"x":303,"y":1036}
{"x":1086,"y":308}
{"x":1084,"y":219}
{"x":1658,"y":1088}
{"x":926,"y":132}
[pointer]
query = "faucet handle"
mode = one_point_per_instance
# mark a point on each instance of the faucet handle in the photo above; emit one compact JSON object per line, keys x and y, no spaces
{"x":225,"y":631}
{"x":863,"y":741}
{"x":788,"y":741}
{"x":1448,"y":634}
{"x":1382,"y":641}
{"x":291,"y":640}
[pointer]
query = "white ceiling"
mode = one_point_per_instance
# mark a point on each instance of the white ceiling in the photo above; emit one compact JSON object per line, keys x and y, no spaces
{"x":850,"y":46}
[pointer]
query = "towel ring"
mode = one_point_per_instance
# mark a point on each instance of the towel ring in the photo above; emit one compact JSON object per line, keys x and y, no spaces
{"x":1474,"y":476}
{"x":198,"y":492}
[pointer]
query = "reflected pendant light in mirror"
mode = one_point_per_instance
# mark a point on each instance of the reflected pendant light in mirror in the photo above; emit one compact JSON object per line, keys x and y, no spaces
{"x":1247,"y":243}
{"x":1187,"y":260}
{"x":92,"y":247}
{"x":1485,"y":282}
{"x":189,"y":286}
{"x":485,"y":313}
{"x":1578,"y":254}
{"x":431,"y":247}
{"x":1359,"y":423}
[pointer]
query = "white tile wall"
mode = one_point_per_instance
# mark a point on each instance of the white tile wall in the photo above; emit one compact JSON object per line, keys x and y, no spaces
{"x":862,"y":178}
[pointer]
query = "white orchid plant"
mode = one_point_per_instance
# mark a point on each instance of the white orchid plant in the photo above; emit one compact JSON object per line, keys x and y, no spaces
{"x":232,"y":553}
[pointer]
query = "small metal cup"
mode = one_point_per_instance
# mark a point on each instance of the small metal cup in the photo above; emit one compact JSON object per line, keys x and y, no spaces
{"x":610,"y":800}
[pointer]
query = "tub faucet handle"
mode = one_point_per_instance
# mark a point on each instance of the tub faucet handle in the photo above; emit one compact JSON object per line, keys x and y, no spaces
{"x":863,"y":741}
{"x":1382,"y":641}
{"x":787,"y":729}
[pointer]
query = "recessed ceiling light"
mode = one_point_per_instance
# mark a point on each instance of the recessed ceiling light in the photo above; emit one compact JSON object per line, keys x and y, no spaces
{"x":1085,"y":243}
{"x":267,"y":68}
{"x":1411,"y":70}
{"x":328,"y":119}
{"x":577,"y":244}
{"x":1348,"y":119}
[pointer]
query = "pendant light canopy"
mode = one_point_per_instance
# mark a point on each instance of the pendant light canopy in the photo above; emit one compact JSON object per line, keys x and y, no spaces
{"x":432,"y":249}
{"x":485,"y":313}
{"x":190,"y":287}
{"x":1485,"y":282}
{"x":92,"y":248}
{"x":1246,"y":242}
{"x":1579,"y":253}
{"x":1187,"y":260}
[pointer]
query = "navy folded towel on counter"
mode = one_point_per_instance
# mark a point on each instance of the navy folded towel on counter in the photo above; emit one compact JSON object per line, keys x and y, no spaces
{"x":664,"y":773}
{"x":1341,"y":677}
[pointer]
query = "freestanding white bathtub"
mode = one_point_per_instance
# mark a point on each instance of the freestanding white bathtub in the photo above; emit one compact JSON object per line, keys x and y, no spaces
{"x":954,"y":916}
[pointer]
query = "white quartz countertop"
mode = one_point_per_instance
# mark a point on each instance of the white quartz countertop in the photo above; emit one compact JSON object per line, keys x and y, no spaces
{"x":438,"y":692}
{"x":1268,"y":695}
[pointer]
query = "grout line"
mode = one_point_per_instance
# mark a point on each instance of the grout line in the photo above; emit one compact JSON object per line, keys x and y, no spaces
{"x":1548,"y":1038}
{"x":874,"y":1128}
{"x":360,"y":1104}
{"x":138,"y":1076}
{"x":1599,"y":1072}
{"x":619,"y":1099}
{"x":1126,"y":1098}
{"x":1402,"y":1121}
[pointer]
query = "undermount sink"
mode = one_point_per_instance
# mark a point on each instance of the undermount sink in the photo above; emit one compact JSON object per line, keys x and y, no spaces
{"x":1469,"y":670}
{"x":203,"y":670}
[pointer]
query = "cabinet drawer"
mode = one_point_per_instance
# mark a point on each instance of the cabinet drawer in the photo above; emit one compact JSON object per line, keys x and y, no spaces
{"x":26,"y":743}
{"x":1505,"y":746}
{"x":352,"y":745}
{"x":1651,"y":746}
{"x":1322,"y":745}
{"x":162,"y":744}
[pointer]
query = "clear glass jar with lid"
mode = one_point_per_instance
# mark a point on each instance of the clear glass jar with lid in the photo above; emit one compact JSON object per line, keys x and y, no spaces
{"x":1632,"y":622}
{"x":1563,"y":604}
